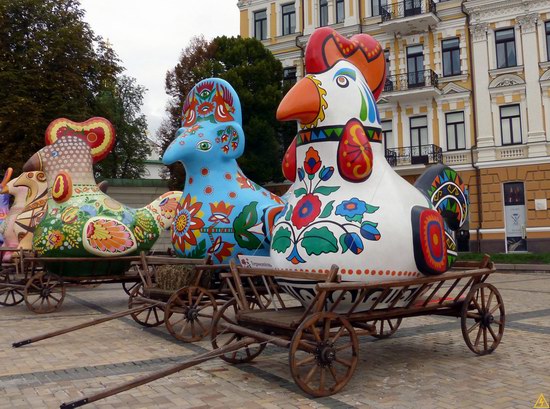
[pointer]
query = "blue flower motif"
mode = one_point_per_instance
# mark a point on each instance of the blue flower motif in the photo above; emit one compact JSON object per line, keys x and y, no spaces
{"x":369,"y":231}
{"x":91,"y":210}
{"x":301,"y":174}
{"x":294,"y":257}
{"x":352,"y":242}
{"x":326,"y":173}
{"x":353,"y":209}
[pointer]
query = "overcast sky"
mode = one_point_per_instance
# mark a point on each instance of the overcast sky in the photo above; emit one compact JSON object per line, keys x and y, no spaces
{"x":149,"y":35}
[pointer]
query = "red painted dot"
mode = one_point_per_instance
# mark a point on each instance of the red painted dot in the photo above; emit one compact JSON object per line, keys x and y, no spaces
{"x":373,"y":272}
{"x":204,"y":171}
{"x":232,"y":195}
{"x":350,"y":271}
{"x":190,"y":181}
{"x":387,"y":272}
{"x":399,"y":274}
{"x":228,"y":176}
{"x":208,"y":190}
{"x":381,"y":273}
{"x":393,"y":273}
{"x":358,"y":272}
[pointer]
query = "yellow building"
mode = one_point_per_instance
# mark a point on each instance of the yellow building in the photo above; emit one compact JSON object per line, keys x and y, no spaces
{"x":468,"y":85}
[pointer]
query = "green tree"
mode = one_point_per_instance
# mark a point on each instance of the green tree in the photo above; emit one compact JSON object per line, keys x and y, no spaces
{"x":256,"y":76}
{"x":122,"y":106}
{"x":52,"y":65}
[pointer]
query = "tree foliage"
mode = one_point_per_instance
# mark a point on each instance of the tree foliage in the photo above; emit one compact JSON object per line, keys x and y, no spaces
{"x":52,"y":65}
{"x":256,"y":76}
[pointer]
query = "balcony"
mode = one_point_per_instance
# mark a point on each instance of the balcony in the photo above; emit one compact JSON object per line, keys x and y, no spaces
{"x":414,"y":155}
{"x":411,"y":86}
{"x":408,"y":16}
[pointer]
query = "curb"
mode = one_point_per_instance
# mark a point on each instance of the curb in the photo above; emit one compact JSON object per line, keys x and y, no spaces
{"x":532,"y":268}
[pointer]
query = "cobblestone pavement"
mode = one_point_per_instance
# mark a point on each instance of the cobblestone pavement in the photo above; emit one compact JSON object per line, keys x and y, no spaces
{"x":426,"y":364}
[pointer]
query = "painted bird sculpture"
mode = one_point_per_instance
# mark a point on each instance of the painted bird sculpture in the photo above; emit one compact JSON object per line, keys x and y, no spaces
{"x":29,"y":207}
{"x":347,"y":203}
{"x":83,"y":221}
{"x":221,"y":211}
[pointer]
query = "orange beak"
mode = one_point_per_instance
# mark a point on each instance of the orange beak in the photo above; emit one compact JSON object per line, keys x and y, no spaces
{"x":301,"y":103}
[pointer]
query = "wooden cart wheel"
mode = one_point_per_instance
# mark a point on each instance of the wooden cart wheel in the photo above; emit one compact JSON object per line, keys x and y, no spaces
{"x":151,"y":317}
{"x":44,"y":293}
{"x":222,"y":337}
{"x":483,"y":318}
{"x":386,"y":328}
{"x":128,"y":286}
{"x":190,"y":311}
{"x":323,"y":354}
{"x":9,"y":296}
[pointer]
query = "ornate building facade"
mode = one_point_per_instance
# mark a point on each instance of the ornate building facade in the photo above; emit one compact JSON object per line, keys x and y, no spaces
{"x":468,"y":84}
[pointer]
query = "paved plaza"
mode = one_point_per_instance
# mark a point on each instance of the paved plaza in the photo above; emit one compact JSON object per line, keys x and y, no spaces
{"x":426,"y":364}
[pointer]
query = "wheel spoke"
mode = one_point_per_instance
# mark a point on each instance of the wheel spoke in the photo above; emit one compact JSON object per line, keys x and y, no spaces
{"x":474,"y":326}
{"x":326,"y":331}
{"x":381,"y":327}
{"x":310,"y":374}
{"x":193,"y":329}
{"x":306,"y":360}
{"x":489,"y":300}
{"x":345,"y":346}
{"x":483,"y":298}
{"x":334,"y":374}
{"x":391,"y":325}
{"x":177,"y":322}
{"x":496,"y":307}
{"x":338,"y":334}
{"x":495,"y":338}
{"x":205,"y":315}
{"x":479,"y":331}
{"x":182,"y":331}
{"x":155,"y":311}
{"x":204,"y":330}
{"x":148,"y":315}
{"x":485,"y":339}
{"x":315,"y":333}
{"x":55,"y":298}
{"x":344,"y":362}
{"x":322,"y":379}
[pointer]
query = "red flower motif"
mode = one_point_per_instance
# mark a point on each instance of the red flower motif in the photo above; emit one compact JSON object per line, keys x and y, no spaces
{"x":187,"y":224}
{"x":205,"y":109}
{"x":306,"y":210}
{"x":221,"y":249}
{"x":244,"y":182}
{"x":220,"y":212}
{"x":312,"y":162}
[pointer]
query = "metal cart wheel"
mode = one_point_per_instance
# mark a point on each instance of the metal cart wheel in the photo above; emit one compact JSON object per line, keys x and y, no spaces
{"x":190,"y":311}
{"x":386,"y":328}
{"x":483,"y":318}
{"x":222,"y":337}
{"x":44,"y":293}
{"x":151,"y":317}
{"x":323,"y":354}
{"x":9,"y":296}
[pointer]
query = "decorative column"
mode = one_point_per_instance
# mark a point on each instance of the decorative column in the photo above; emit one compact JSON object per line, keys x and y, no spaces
{"x":536,"y":136}
{"x":484,"y":123}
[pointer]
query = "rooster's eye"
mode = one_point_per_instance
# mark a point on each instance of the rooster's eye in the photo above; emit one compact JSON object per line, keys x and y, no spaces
{"x":342,"y":81}
{"x":204,"y":146}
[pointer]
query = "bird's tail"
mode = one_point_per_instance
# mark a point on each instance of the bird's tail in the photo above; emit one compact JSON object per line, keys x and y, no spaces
{"x":164,"y":209}
{"x":450,"y":197}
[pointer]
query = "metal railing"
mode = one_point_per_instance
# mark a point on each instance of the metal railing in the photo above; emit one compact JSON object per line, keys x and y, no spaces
{"x":406,"y":8}
{"x":416,"y":79}
{"x":414,"y":155}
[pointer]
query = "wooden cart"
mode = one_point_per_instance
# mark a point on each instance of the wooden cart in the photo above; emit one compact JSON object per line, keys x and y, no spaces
{"x":28,"y":279}
{"x":322,"y":338}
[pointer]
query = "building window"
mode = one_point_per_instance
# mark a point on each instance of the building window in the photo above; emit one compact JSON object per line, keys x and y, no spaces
{"x":323,"y":13}
{"x":456,"y":137}
{"x":378,"y":7}
{"x":289,"y":77}
{"x":547,"y":29}
{"x":387,"y":134}
{"x":510,"y":124}
{"x":419,"y":133}
{"x":415,"y":66}
{"x":260,"y":25}
{"x":340,"y":13}
{"x":451,"y":57}
{"x":289,"y":18}
{"x":506,"y":48}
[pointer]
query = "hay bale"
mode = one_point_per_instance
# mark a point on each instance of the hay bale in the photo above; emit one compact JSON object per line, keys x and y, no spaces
{"x":173,"y":277}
